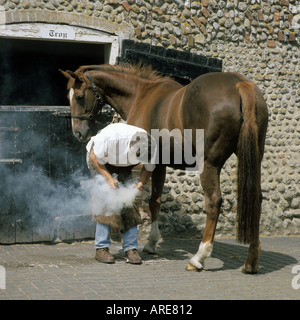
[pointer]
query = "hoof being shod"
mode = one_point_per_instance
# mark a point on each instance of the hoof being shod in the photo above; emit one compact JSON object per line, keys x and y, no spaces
{"x":190,"y":267}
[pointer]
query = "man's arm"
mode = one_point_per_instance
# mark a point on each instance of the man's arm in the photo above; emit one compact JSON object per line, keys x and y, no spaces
{"x":144,"y":177}
{"x":101,"y":169}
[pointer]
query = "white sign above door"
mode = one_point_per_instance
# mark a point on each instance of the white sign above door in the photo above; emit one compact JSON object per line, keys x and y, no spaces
{"x":57,"y":33}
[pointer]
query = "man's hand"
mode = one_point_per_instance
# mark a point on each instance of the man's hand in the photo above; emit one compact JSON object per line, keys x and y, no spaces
{"x":102,"y":170}
{"x":144,"y":177}
{"x":113,"y":183}
{"x":140,"y":186}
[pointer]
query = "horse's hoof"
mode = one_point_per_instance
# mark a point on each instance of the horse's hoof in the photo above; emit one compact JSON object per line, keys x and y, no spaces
{"x":190,"y":267}
{"x":250,"y":269}
{"x":147,"y":251}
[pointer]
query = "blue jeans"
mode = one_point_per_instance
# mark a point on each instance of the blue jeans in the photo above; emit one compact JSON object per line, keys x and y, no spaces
{"x":102,"y":239}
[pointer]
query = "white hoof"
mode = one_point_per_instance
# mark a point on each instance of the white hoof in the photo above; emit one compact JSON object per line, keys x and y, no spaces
{"x":197,"y":261}
{"x":190,"y":267}
{"x":196,"y":264}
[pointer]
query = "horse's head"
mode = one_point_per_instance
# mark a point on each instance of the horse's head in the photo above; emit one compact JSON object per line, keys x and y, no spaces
{"x":85,"y":104}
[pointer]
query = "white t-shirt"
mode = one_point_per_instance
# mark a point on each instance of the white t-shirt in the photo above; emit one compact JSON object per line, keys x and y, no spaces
{"x":112,"y":145}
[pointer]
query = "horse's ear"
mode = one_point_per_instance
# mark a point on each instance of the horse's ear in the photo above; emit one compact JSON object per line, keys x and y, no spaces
{"x":68,"y":74}
{"x":64,"y":73}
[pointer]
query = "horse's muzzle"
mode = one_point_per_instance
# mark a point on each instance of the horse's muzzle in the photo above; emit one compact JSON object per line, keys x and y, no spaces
{"x":81,"y":137}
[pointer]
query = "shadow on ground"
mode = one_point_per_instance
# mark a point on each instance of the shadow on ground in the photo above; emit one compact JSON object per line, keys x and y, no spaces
{"x":230,"y":255}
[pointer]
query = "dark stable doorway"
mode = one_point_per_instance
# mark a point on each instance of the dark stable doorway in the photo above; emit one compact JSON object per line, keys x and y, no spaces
{"x":29,"y":69}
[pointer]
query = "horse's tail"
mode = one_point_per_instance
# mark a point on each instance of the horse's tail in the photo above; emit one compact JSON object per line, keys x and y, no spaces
{"x":248,"y":207}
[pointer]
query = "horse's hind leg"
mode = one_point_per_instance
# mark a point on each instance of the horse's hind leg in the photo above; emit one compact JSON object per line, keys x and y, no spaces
{"x":211,"y":186}
{"x":158,"y":179}
{"x":251,"y":264}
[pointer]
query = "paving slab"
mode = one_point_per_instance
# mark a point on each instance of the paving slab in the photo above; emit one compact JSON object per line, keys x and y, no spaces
{"x":70,"y":272}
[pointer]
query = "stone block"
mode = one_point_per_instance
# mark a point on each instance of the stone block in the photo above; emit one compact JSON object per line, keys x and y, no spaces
{"x":276,"y":16}
{"x":205,"y":12}
{"x":284,"y":2}
{"x":138,"y":32}
{"x":292,"y":37}
{"x":280,"y":36}
{"x":126,"y":5}
{"x":197,"y":21}
{"x":271,"y":44}
{"x":260,"y":15}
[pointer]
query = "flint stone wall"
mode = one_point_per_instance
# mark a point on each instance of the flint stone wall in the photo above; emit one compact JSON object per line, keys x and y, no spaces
{"x":257,"y":38}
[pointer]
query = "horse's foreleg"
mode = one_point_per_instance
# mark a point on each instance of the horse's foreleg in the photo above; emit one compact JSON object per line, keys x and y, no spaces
{"x":211,"y":185}
{"x":158,"y":179}
{"x":154,"y":237}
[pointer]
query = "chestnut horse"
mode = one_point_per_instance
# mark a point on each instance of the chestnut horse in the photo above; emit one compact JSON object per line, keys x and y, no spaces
{"x":228,"y":106}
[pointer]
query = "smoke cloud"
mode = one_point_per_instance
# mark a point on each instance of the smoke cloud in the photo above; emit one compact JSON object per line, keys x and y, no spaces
{"x":49,"y":182}
{"x":108,"y":201}
{"x":79,"y":195}
{"x":47,"y":201}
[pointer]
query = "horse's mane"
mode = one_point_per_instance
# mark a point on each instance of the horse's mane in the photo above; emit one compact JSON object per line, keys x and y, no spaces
{"x":140,"y":70}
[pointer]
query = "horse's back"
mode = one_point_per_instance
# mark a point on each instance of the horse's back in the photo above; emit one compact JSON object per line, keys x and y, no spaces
{"x":216,"y":95}
{"x":212,"y":102}
{"x":217,"y":86}
{"x":212,"y":96}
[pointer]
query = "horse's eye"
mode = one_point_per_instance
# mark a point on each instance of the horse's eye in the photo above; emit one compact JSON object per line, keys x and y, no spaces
{"x":79,"y":97}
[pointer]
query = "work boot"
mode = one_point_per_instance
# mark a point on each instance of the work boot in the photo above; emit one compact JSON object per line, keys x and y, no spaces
{"x":103,"y":255}
{"x":133,"y":257}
